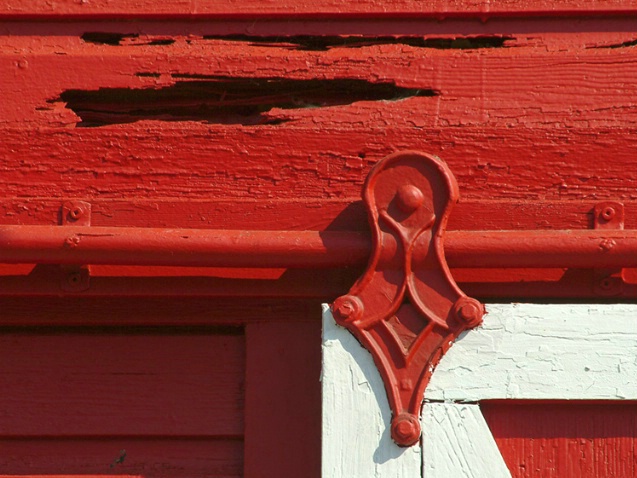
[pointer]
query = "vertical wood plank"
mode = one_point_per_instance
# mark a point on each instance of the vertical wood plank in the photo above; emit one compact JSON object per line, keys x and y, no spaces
{"x":283,"y":405}
{"x":356,"y":414}
{"x":458,"y":443}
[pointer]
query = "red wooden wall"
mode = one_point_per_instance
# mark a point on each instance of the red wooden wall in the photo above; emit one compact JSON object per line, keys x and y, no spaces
{"x":269,"y":116}
{"x":194,"y":388}
{"x":565,"y":439}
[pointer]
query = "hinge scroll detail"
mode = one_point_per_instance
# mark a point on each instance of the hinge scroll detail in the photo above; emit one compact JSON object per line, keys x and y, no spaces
{"x":406,"y":309}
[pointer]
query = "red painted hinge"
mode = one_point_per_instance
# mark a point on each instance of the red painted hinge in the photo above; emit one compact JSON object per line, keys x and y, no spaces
{"x":406,"y":309}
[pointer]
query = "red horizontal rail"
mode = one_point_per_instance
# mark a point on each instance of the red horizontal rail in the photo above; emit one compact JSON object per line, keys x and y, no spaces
{"x":305,"y":249}
{"x":180,"y":247}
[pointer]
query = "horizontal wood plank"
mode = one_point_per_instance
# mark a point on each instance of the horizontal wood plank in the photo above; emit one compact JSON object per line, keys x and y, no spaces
{"x":560,"y":352}
{"x":516,"y":163}
{"x":117,"y":456}
{"x":438,"y":8}
{"x":298,"y":214}
{"x":554,"y":81}
{"x":565,"y":439}
{"x":64,"y":382}
{"x":149,"y":311}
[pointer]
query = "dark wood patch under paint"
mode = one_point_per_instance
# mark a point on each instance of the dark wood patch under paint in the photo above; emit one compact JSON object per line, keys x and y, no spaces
{"x":225,"y":100}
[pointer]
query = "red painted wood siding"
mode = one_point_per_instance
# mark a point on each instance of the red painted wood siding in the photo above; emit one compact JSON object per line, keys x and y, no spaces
{"x":133,"y":106}
{"x":535,"y":117}
{"x":172,"y":398}
{"x":186,"y":389}
{"x":298,"y":8}
{"x":565,"y":439}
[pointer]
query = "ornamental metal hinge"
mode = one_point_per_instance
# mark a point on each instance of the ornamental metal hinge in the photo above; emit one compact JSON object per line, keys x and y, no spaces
{"x":406,"y":308}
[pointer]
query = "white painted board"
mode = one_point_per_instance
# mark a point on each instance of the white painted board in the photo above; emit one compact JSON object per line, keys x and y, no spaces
{"x":543,"y":351}
{"x":356,"y":414}
{"x":523,"y":351}
{"x":457,"y":443}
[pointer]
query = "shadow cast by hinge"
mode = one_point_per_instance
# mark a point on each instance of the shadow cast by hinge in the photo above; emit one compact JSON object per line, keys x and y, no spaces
{"x":386,"y":450}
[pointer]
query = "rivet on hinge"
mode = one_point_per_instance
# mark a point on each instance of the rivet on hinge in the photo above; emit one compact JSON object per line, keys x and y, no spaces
{"x":75,"y":278}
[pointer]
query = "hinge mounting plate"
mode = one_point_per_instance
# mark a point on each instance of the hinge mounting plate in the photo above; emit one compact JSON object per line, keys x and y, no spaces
{"x":406,"y":308}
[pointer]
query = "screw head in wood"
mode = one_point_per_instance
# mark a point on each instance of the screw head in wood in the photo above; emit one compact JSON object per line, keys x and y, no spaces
{"x":608,"y":213}
{"x":76,"y":212}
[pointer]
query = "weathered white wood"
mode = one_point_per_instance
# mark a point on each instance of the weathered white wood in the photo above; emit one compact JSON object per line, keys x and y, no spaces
{"x":457,"y":443}
{"x":356,"y":414}
{"x":523,"y":351}
{"x":543,"y":351}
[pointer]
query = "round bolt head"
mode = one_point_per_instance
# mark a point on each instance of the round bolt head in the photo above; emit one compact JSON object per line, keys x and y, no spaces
{"x":606,"y":283}
{"x":74,"y":278}
{"x":469,"y":311}
{"x":405,"y":429}
{"x":608,"y":213}
{"x":347,"y":308}
{"x":76,"y":212}
{"x":409,"y":198}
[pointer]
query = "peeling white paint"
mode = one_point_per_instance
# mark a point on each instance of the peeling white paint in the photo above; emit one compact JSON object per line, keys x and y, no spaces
{"x":356,"y":414}
{"x":457,"y":443}
{"x":522,"y":351}
{"x":543,"y":351}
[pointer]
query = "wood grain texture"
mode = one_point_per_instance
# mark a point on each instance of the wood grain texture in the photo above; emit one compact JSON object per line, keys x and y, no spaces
{"x":553,"y":352}
{"x":438,"y":8}
{"x":356,"y":414}
{"x":520,"y":83}
{"x":121,"y":312}
{"x":92,"y":382}
{"x":565,"y":439}
{"x":536,"y":122}
{"x":534,"y":351}
{"x":549,"y":152}
{"x":283,"y":404}
{"x":144,"y":457}
{"x":458,"y":443}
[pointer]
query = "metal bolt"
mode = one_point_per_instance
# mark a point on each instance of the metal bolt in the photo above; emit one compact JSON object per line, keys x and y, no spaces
{"x":76,"y":212}
{"x":606,"y":283}
{"x":409,"y":198}
{"x":71,"y":241}
{"x":608,"y":213}
{"x":74,"y":278}
{"x":347,"y":308}
{"x":606,"y":245}
{"x":405,"y":429}
{"x":469,"y":312}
